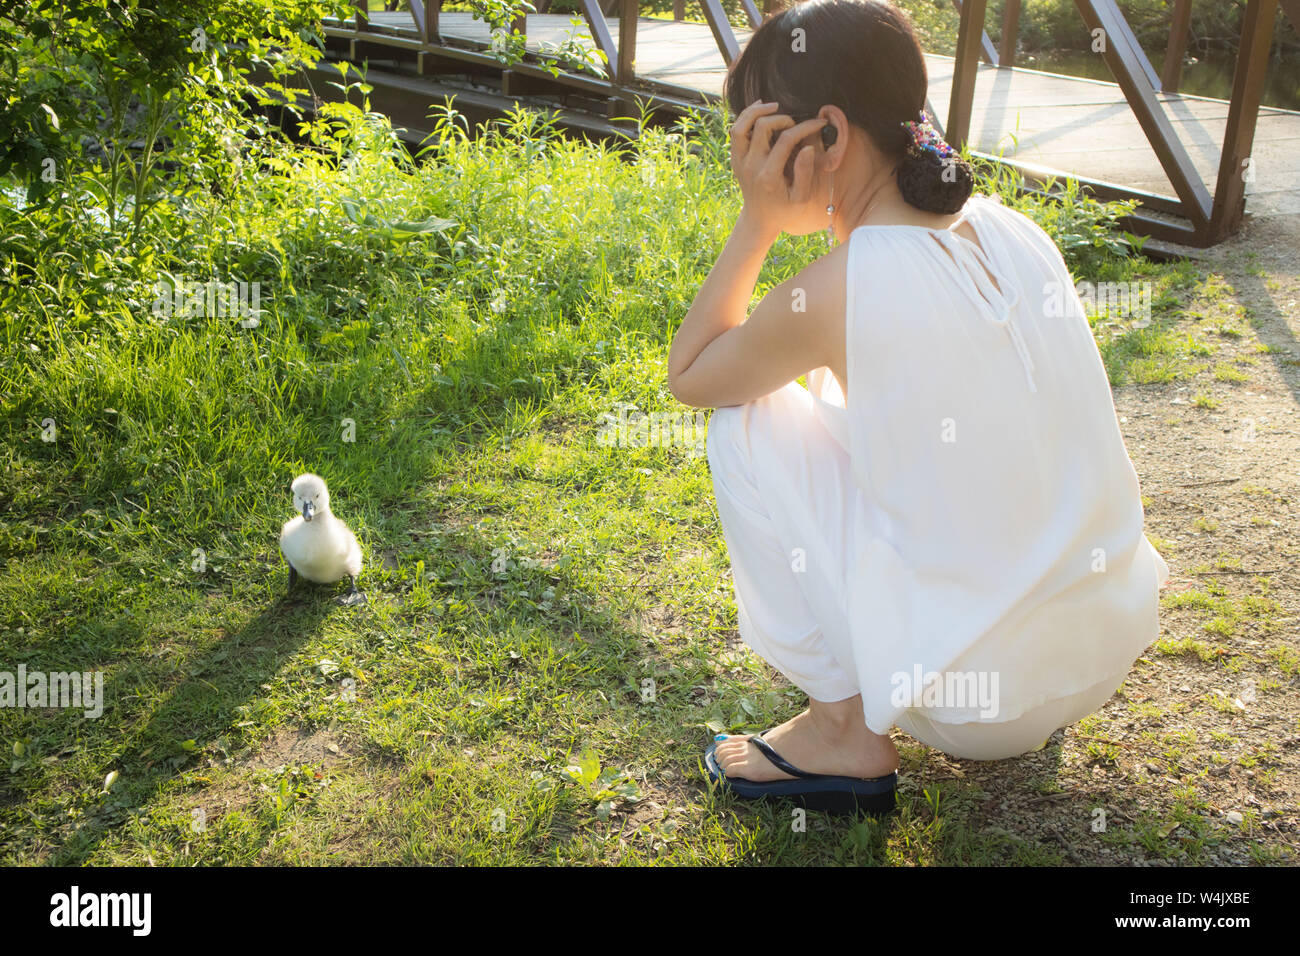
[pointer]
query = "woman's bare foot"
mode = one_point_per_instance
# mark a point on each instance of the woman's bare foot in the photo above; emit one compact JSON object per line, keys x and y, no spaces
{"x":825,"y":738}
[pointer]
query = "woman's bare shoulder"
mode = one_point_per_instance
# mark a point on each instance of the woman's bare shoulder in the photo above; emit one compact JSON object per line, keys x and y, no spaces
{"x":822,"y":284}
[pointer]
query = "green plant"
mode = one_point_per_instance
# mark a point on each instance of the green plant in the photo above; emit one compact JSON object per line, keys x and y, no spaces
{"x":604,"y":787}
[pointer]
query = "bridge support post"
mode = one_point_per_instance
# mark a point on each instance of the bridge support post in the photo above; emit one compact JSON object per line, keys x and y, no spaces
{"x":1129,"y":66}
{"x":1235,"y":164}
{"x":970,"y":35}
{"x":987,"y":49}
{"x":1010,"y":34}
{"x":627,"y":16}
{"x":627,"y":19}
{"x":600,"y":33}
{"x":362,"y":25}
{"x":1171,"y":72}
{"x":723,"y":35}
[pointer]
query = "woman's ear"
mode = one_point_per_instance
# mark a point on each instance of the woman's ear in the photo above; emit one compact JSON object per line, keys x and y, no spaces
{"x":834,"y":137}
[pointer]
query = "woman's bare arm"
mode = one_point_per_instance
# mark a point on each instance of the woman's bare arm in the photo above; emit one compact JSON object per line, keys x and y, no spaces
{"x":723,"y":301}
{"x":718,"y":357}
{"x":799,"y":326}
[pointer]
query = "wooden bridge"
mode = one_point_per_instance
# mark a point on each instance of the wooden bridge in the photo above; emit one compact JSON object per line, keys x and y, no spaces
{"x":1195,"y":164}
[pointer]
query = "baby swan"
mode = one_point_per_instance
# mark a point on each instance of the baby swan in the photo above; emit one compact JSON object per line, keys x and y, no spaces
{"x":316,"y":544}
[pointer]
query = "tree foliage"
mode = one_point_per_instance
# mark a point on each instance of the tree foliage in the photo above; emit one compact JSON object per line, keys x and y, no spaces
{"x":117,"y":86}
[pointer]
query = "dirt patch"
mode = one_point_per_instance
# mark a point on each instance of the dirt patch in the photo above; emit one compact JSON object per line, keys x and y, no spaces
{"x":239,"y":788}
{"x":290,"y":746}
{"x":666,"y":810}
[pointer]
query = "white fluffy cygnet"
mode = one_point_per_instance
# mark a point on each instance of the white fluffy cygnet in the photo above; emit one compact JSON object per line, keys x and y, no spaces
{"x":317,"y":545}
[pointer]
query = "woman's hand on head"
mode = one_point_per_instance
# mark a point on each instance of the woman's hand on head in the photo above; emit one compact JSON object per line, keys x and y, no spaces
{"x":759,"y":163}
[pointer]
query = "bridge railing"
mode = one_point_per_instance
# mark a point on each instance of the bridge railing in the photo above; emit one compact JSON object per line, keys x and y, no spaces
{"x":1206,"y":217}
{"x":1209,"y":217}
{"x":1167,"y":81}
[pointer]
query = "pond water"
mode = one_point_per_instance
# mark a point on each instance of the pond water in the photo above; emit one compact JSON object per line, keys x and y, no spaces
{"x":1210,"y":76}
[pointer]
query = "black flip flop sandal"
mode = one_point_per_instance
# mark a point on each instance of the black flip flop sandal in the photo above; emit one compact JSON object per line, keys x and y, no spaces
{"x":874,"y":795}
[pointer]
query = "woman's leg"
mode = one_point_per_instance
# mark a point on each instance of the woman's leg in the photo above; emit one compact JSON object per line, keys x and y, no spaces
{"x":783,"y":543}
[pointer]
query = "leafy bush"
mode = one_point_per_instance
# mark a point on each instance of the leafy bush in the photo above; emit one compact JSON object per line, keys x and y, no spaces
{"x":1084,"y":228}
{"x":120,"y":121}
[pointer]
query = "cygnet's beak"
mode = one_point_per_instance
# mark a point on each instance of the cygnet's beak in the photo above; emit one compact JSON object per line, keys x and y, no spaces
{"x":307,"y":510}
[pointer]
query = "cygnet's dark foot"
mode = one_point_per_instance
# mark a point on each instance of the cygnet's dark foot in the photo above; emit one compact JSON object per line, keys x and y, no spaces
{"x":353,"y":597}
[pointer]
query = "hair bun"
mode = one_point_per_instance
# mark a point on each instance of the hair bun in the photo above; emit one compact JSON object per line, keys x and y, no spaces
{"x":933,"y":183}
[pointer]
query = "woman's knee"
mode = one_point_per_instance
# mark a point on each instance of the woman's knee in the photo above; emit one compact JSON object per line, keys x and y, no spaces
{"x":733,"y":427}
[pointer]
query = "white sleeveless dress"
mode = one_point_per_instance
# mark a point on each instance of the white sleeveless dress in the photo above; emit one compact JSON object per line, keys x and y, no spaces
{"x":971,"y":508}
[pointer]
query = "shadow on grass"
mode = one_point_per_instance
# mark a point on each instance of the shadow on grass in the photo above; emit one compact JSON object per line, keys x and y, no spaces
{"x":1267,"y":318}
{"x":201,"y":708}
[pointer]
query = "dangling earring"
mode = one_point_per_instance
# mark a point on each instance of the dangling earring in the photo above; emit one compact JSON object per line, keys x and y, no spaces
{"x":830,"y":211}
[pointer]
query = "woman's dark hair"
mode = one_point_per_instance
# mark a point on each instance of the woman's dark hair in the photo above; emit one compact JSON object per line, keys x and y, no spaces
{"x":862,"y":56}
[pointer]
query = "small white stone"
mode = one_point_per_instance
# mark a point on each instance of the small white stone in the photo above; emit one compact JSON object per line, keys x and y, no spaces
{"x":1235,"y":817}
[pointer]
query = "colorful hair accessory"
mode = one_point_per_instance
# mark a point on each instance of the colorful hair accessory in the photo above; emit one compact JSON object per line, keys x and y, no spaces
{"x":925,"y":138}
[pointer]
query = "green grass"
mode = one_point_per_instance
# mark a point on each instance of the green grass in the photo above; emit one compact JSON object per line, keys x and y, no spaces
{"x":1227,"y":373}
{"x":1223,"y":614}
{"x":1157,"y":351}
{"x":525,"y":582}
